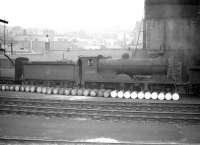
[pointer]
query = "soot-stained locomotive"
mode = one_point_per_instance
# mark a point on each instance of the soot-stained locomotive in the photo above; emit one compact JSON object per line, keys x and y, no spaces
{"x":166,"y":72}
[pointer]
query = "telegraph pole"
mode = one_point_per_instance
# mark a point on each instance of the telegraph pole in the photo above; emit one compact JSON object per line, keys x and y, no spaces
{"x":4,"y":36}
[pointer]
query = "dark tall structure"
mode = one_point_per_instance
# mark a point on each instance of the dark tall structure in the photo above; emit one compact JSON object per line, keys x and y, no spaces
{"x":174,"y":26}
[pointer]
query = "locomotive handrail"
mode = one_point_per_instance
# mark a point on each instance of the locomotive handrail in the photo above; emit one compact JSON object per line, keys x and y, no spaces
{"x":9,"y":59}
{"x":4,"y":53}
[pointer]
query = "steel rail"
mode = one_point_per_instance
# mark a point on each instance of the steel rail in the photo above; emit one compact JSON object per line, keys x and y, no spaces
{"x":29,"y":140}
{"x":60,"y":101}
{"x":98,"y":110}
{"x":90,"y":105}
{"x":99,"y":115}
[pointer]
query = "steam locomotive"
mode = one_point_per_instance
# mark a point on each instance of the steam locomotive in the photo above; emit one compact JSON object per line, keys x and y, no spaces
{"x":168,"y":71}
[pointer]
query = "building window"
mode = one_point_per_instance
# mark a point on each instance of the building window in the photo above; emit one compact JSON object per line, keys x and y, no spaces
{"x":90,"y":62}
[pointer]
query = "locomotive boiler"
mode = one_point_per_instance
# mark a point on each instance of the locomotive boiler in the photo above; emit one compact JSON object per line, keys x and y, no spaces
{"x":133,"y":66}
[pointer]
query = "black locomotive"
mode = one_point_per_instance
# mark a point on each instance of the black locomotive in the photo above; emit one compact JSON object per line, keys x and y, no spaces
{"x":166,"y":71}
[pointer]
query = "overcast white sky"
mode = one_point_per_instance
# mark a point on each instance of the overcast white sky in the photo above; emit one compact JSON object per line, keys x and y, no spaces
{"x":67,"y":15}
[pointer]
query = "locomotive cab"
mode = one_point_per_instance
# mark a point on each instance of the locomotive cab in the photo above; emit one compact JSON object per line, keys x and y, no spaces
{"x":7,"y":69}
{"x":87,"y":67}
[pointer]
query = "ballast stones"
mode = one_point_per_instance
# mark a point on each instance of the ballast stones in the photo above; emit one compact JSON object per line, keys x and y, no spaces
{"x":55,"y":91}
{"x":113,"y":94}
{"x":7,"y":88}
{"x":67,"y":92}
{"x":11,"y":88}
{"x":39,"y":90}
{"x":49,"y":90}
{"x":100,"y":93}
{"x":32,"y":89}
{"x":147,"y":95}
{"x":61,"y":91}
{"x":120,"y":94}
{"x":127,"y":95}
{"x":3,"y":87}
{"x":17,"y":88}
{"x":168,"y":96}
{"x":161,"y":96}
{"x":134,"y":95}
{"x":154,"y":95}
{"x":107,"y":93}
{"x":141,"y":95}
{"x":74,"y":92}
{"x":175,"y":96}
{"x":80,"y":92}
{"x":22,"y":88}
{"x":44,"y":90}
{"x":86,"y":92}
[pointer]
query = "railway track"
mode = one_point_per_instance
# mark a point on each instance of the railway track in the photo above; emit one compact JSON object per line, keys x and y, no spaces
{"x":17,"y":141}
{"x":104,"y":105}
{"x":102,"y":110}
